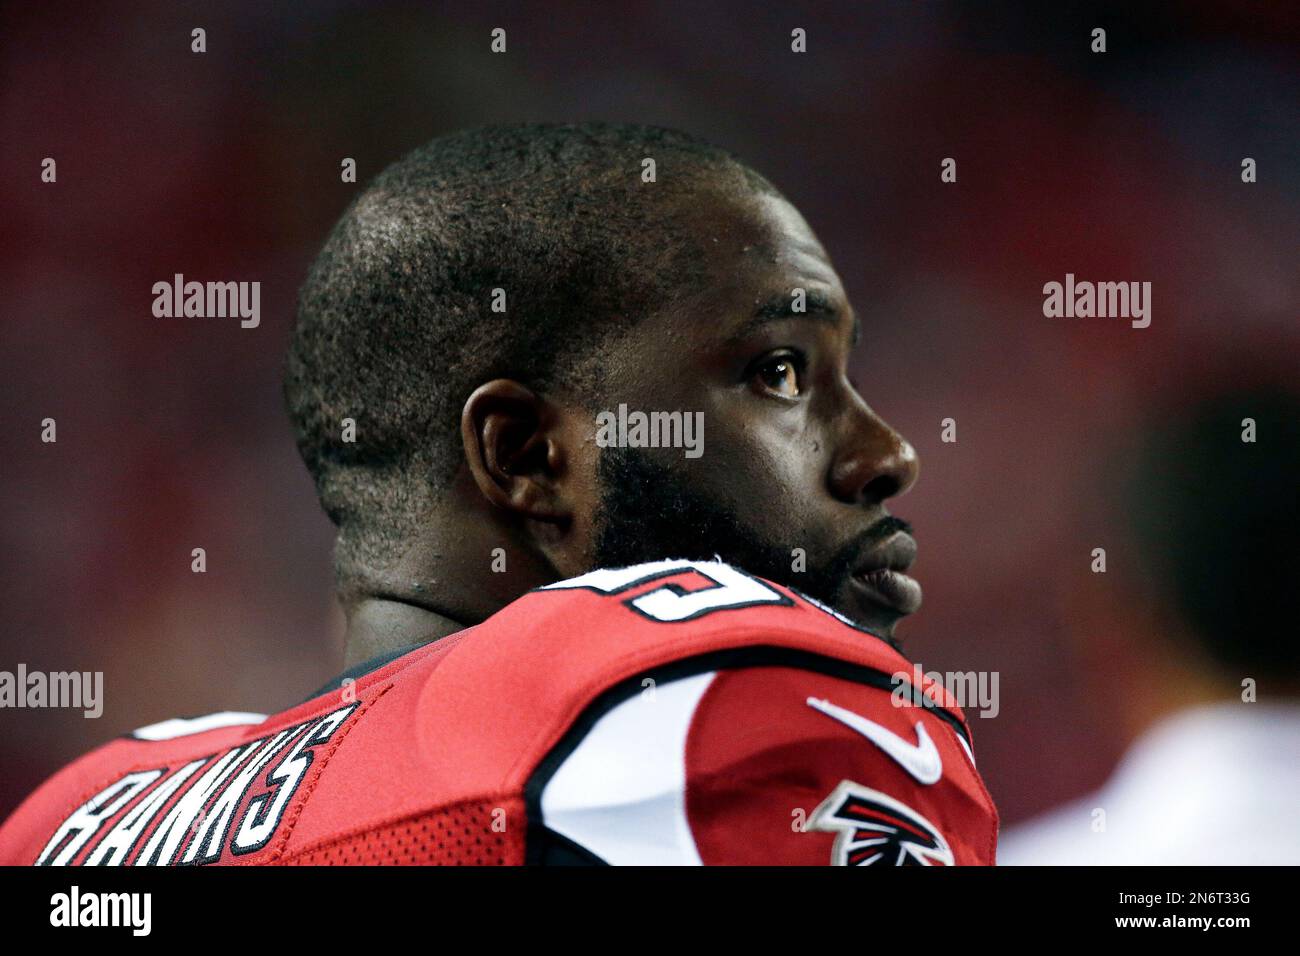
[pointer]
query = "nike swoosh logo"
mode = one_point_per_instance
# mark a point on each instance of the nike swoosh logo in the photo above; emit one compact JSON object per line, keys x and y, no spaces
{"x":920,"y":759}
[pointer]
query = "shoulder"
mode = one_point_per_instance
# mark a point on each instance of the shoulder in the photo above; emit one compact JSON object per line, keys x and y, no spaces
{"x":688,"y":712}
{"x":667,"y":611}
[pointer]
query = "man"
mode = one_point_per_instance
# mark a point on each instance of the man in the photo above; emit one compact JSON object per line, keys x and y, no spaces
{"x":1210,"y":687}
{"x":570,"y":394}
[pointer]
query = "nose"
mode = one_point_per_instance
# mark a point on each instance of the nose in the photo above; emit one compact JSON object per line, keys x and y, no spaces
{"x":874,"y":462}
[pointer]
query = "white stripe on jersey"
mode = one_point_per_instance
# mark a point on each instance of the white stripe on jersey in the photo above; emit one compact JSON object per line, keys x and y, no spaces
{"x":622,"y":792}
{"x":184,"y":726}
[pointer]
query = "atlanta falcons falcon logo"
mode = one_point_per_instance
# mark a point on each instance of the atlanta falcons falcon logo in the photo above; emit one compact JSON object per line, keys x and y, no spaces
{"x":873,"y":829}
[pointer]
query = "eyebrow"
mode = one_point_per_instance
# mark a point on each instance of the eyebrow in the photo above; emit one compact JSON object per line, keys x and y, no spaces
{"x":780,"y":308}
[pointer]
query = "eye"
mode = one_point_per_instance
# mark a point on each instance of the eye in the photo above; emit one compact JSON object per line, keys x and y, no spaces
{"x":779,"y":374}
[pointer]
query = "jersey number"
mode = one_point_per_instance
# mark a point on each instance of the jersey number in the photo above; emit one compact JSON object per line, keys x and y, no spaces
{"x":728,"y":589}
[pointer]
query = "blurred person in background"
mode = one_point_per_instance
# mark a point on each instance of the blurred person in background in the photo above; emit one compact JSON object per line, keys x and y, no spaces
{"x":1199,"y":631}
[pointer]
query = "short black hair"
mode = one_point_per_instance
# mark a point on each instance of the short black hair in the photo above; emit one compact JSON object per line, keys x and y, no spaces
{"x":395,"y":323}
{"x":1218,"y":526}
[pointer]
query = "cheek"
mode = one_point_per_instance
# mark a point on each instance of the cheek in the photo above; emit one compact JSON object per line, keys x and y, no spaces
{"x":774,"y":477}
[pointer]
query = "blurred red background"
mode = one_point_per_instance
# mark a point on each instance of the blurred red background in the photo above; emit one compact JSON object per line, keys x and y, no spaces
{"x":225,"y":165}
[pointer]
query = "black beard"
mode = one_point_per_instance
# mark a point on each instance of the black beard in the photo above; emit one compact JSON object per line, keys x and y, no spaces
{"x":649,"y":512}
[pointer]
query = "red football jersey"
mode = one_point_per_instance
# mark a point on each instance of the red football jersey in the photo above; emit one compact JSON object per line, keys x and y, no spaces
{"x":672,"y":713}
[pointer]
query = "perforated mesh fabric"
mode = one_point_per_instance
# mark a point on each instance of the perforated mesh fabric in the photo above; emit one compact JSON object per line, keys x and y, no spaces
{"x":460,"y":835}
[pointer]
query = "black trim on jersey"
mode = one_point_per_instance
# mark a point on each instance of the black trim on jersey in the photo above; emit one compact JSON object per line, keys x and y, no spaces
{"x":555,"y":849}
{"x":357,"y":671}
{"x":540,"y":840}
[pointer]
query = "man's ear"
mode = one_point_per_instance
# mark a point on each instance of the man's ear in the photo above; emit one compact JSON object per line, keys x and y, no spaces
{"x":512,"y":449}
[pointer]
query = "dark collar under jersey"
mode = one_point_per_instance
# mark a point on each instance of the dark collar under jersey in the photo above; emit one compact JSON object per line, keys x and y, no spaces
{"x":357,"y":671}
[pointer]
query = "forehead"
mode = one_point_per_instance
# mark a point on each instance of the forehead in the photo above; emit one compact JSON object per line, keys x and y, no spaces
{"x":756,"y":233}
{"x":756,"y":249}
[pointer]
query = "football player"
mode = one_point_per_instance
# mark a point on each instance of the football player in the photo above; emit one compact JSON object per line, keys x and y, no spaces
{"x":620,"y":582}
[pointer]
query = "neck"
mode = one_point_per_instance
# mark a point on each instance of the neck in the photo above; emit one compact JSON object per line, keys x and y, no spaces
{"x":443,"y":578}
{"x":380,"y":625}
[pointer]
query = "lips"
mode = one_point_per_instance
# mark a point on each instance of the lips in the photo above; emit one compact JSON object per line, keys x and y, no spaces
{"x":881,"y":578}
